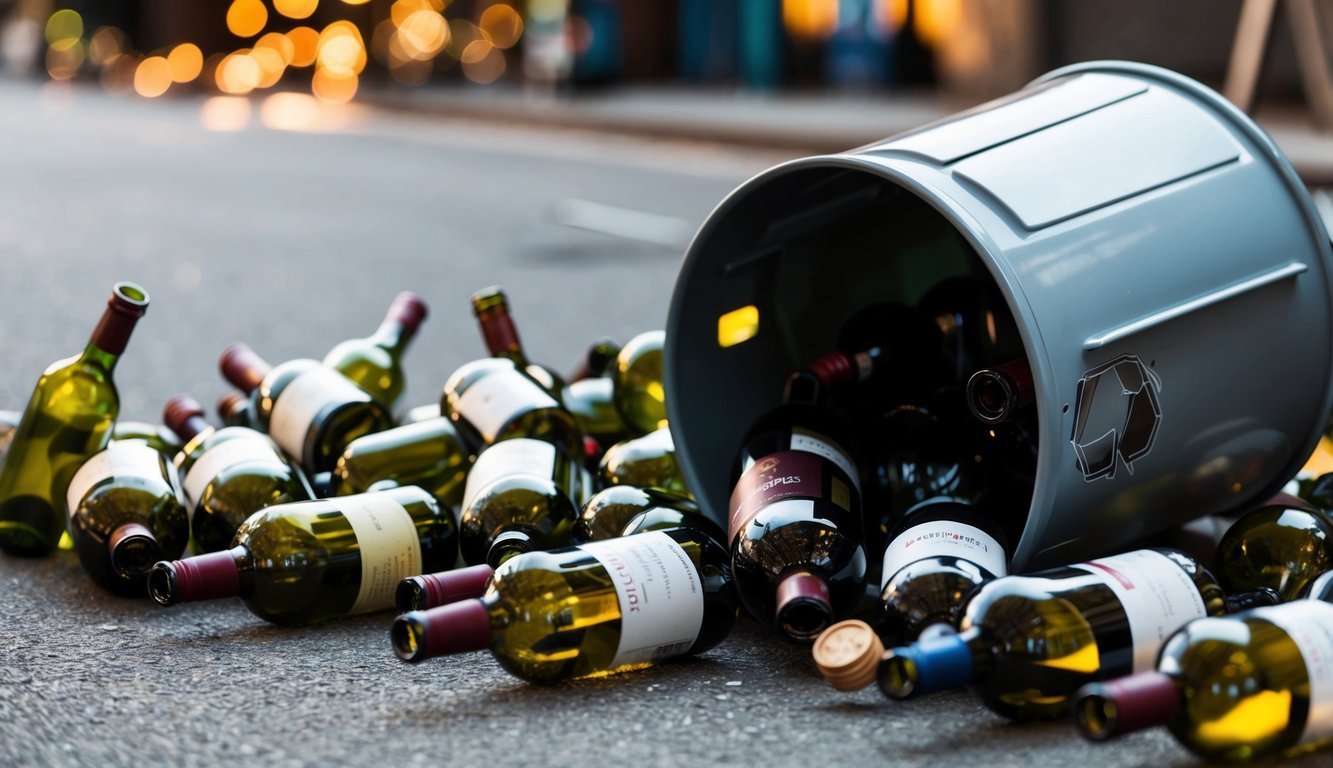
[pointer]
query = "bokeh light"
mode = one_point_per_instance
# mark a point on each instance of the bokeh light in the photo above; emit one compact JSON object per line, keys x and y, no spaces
{"x":295,"y":9}
{"x":502,"y":24}
{"x":486,"y":69}
{"x":280,"y":44}
{"x":305,"y":46}
{"x":342,"y":54}
{"x":186,"y":61}
{"x":64,"y":57}
{"x":246,"y":18}
{"x":64,"y":25}
{"x":423,"y":35}
{"x":106,"y":44}
{"x":270,"y":64}
{"x":810,"y":19}
{"x":333,"y":88}
{"x":238,"y":74}
{"x":152,"y":78}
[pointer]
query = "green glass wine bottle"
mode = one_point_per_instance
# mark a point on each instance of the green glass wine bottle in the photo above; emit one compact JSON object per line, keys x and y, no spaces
{"x":1251,"y":687}
{"x":229,"y":474}
{"x":521,"y":495}
{"x":647,"y":462}
{"x":126,"y":513}
{"x":598,"y":362}
{"x":500,"y":334}
{"x":640,"y":396}
{"x":68,"y":419}
{"x":611,"y":509}
{"x":1027,"y":643}
{"x":1279,"y":546}
{"x":594,"y":609}
{"x":491,"y":400}
{"x":592,"y":404}
{"x":375,"y":363}
{"x":428,"y":453}
{"x":311,"y":561}
{"x":311,"y":412}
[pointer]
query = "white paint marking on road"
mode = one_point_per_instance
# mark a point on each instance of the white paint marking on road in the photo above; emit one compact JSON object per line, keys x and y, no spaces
{"x":613,"y":220}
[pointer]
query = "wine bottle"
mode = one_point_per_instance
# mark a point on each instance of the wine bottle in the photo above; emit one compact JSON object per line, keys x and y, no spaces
{"x":310,"y":561}
{"x":417,"y":593}
{"x":375,"y":363}
{"x":995,"y":395}
{"x":591,"y":403}
{"x":797,"y":557}
{"x":521,"y":495}
{"x":126,"y":513}
{"x":646,"y":462}
{"x":491,"y":400}
{"x":1282,"y":547}
{"x":238,"y":410}
{"x":907,"y":338}
{"x":598,"y":361}
{"x":68,"y":419}
{"x":977,"y":328}
{"x":429,"y":454}
{"x":229,"y":474}
{"x":609,"y":510}
{"x":639,"y":394}
{"x":598,"y":608}
{"x":498,"y":332}
{"x":159,"y":438}
{"x":937,"y":555}
{"x":1242,"y":688}
{"x":666,"y":518}
{"x":1027,"y":643}
{"x":311,"y":412}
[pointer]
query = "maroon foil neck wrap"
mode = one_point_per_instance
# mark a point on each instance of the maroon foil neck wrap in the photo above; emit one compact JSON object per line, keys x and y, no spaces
{"x":802,"y":585}
{"x":243,"y":367}
{"x":206,"y":577}
{"x":1140,"y":701}
{"x":229,"y":404}
{"x":455,"y":628}
{"x":407,"y":311}
{"x":185,"y":416}
{"x":833,"y":368}
{"x":452,"y":586}
{"x":127,"y":304}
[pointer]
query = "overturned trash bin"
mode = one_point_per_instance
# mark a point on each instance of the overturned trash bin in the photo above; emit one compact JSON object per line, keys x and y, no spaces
{"x":1167,"y":273}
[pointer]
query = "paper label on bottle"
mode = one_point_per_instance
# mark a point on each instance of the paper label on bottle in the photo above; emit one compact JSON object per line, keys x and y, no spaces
{"x":302,"y":400}
{"x":804,"y":440}
{"x":1157,"y":595}
{"x":778,"y":476}
{"x":660,"y":593}
{"x":943,"y":538}
{"x":491,"y":401}
{"x":119,"y":459}
{"x":238,"y":450}
{"x":389,"y":545}
{"x":657,"y":441}
{"x":1309,"y":623}
{"x":519,"y":456}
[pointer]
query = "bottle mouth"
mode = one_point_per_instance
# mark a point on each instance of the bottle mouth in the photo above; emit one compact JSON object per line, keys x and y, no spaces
{"x":408,"y":634}
{"x":133,"y":550}
{"x":162,"y":584}
{"x":803,"y":607}
{"x":129,"y":298}
{"x":897,"y":676}
{"x":409,"y":595}
{"x":1096,"y":717}
{"x":991,"y":396}
{"x":508,"y":544}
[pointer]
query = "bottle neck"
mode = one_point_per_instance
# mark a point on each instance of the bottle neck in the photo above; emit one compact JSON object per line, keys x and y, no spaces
{"x":113,"y":331}
{"x":1244,"y":601}
{"x":832,"y":370}
{"x":393,"y":336}
{"x":455,"y":628}
{"x":934,"y":664}
{"x":100,"y":358}
{"x":245,"y":369}
{"x":995,"y":395}
{"x":202,"y":577}
{"x":1108,"y":709}
{"x":435,"y":589}
{"x":498,"y":331}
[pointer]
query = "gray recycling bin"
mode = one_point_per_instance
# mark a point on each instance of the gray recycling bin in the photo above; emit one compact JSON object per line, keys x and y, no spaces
{"x":1167,"y":272}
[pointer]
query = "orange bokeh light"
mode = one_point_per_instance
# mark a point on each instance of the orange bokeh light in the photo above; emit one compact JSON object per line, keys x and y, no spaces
{"x":152,"y":78}
{"x":186,"y":62}
{"x":332,"y":88}
{"x":295,"y":9}
{"x":238,"y":74}
{"x":305,"y":46}
{"x":502,"y":24}
{"x":246,"y":18}
{"x":342,"y":53}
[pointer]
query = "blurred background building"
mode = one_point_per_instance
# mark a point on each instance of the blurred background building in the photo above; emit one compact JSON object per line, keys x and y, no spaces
{"x":333,"y":48}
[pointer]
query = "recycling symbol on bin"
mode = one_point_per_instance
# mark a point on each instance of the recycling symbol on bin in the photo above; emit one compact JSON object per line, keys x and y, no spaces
{"x":1117,"y":416}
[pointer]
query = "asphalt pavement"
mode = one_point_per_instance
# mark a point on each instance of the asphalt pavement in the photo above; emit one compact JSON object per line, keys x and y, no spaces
{"x":291,"y":227}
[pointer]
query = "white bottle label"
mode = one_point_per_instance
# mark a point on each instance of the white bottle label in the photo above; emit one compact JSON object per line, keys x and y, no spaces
{"x":1309,"y":623}
{"x":119,"y":459}
{"x":390,"y":547}
{"x":301,"y":401}
{"x":238,"y":450}
{"x":491,"y":401}
{"x":657,"y":440}
{"x":943,"y":538}
{"x":661,"y":596}
{"x":802,"y":440}
{"x":1157,"y":595}
{"x":520,"y":456}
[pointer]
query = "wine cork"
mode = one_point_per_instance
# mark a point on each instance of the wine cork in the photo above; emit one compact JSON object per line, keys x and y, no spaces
{"x":847,"y":654}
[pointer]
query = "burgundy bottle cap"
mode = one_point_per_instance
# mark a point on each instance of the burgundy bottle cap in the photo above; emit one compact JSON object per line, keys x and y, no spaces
{"x":803,"y":605}
{"x":455,"y":628}
{"x":229,"y":403}
{"x":243,"y":367}
{"x":1110,"y":708}
{"x":185,"y":416}
{"x":133,"y":549}
{"x":202,"y":577}
{"x":833,"y":368}
{"x":408,"y":310}
{"x":435,"y":589}
{"x":127,"y":304}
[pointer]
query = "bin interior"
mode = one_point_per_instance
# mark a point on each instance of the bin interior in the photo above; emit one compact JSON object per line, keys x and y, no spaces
{"x":808,"y":248}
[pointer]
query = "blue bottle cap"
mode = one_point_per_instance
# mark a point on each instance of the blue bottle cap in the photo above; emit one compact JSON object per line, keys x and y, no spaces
{"x":932,"y":665}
